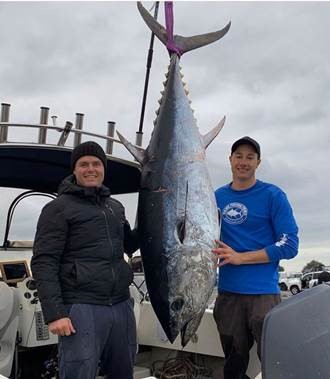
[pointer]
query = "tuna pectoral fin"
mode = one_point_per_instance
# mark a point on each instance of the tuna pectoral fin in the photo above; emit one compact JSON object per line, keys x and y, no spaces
{"x":183,"y":43}
{"x":137,"y":152}
{"x":180,"y":230}
{"x":181,"y":223}
{"x":209,"y":137}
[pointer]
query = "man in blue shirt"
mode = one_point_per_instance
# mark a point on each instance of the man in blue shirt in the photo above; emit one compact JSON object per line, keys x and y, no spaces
{"x":258,"y":230}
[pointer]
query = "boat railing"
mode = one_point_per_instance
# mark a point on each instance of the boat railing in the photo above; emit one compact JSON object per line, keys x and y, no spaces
{"x":43,"y":127}
{"x":20,"y":244}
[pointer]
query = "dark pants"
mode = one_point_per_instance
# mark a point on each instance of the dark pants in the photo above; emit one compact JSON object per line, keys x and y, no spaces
{"x":239,"y":320}
{"x":105,"y":335}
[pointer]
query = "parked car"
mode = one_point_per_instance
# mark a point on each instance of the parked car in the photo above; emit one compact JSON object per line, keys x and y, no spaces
{"x":290,"y":282}
{"x":324,"y":277}
{"x":311,"y":279}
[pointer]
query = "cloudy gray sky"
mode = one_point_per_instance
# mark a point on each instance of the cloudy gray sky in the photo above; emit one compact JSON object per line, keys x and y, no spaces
{"x":270,"y":76}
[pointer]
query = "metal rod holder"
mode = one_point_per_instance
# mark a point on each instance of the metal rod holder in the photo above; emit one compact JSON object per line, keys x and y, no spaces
{"x":79,"y":126}
{"x":54,"y":119}
{"x":138,"y":138}
{"x":44,"y":112}
{"x":110,"y":133}
{"x":4,"y":118}
{"x":65,"y":134}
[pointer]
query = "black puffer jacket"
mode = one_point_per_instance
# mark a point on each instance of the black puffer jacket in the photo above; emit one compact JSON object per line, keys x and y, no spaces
{"x":78,"y":250}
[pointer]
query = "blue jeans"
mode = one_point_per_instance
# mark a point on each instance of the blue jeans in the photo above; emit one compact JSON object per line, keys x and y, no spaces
{"x":105,"y":335}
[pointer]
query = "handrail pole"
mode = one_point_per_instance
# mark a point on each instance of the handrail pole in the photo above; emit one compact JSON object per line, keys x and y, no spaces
{"x":5,"y":108}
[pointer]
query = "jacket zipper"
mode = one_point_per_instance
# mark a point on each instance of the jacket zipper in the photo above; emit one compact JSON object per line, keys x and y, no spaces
{"x":112,"y":253}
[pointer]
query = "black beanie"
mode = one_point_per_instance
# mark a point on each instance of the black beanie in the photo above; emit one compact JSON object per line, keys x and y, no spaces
{"x":88,"y":148}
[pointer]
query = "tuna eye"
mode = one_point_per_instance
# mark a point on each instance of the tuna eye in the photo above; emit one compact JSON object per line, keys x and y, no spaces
{"x":177,"y":304}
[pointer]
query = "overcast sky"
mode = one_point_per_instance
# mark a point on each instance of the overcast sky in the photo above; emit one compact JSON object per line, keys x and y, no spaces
{"x":270,"y":76}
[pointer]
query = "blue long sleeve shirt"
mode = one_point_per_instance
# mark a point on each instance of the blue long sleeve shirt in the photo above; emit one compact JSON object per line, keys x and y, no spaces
{"x":254,"y":219}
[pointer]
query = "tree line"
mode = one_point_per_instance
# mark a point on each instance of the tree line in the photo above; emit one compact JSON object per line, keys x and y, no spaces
{"x":311,"y":266}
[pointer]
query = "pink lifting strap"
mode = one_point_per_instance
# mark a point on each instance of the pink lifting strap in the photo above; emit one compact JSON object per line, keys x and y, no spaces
{"x":171,"y":46}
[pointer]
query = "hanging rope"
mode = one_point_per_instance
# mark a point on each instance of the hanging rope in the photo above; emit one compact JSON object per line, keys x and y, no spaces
{"x":169,"y":20}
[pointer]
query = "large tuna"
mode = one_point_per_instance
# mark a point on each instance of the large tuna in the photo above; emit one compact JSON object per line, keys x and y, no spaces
{"x":177,"y":212}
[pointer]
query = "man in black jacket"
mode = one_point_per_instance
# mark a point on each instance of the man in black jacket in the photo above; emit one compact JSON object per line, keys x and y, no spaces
{"x":82,"y":277}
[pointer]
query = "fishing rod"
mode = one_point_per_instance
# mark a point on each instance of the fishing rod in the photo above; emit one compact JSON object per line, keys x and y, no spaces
{"x":139,"y":134}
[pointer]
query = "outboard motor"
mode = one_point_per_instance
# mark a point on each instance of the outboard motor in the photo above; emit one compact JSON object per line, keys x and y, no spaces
{"x":8,"y":327}
{"x":296,"y":337}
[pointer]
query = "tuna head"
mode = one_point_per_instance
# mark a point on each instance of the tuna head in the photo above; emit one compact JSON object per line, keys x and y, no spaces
{"x":191,"y":277}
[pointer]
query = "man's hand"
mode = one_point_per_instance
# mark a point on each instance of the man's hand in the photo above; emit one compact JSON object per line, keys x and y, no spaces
{"x":61,"y":327}
{"x":226,"y":254}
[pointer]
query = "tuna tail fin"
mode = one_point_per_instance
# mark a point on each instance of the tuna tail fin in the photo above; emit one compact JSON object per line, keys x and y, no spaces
{"x":209,"y":137}
{"x":190,"y":43}
{"x":183,"y":43}
{"x":138,"y":152}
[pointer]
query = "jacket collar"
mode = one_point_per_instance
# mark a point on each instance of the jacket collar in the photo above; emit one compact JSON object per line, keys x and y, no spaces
{"x":69,"y":185}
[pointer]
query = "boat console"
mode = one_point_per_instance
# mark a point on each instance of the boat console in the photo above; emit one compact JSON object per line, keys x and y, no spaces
{"x":32,"y":330}
{"x":21,"y":320}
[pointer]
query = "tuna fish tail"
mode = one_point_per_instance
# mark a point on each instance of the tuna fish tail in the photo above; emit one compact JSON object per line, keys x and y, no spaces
{"x":184,"y":44}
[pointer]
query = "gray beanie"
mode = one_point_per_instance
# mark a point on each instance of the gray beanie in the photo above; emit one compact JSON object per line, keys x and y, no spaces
{"x":88,"y":148}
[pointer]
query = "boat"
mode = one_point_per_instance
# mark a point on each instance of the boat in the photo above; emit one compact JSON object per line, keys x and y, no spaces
{"x":290,"y":349}
{"x":27,"y":349}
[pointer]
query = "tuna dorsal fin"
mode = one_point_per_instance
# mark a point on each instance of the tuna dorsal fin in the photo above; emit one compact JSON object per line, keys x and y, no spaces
{"x":183,"y":43}
{"x":209,"y":137}
{"x":138,"y":152}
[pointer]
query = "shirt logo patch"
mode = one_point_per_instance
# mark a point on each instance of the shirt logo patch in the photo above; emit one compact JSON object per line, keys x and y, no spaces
{"x":235,"y":213}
